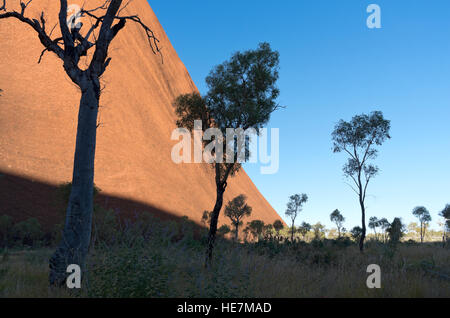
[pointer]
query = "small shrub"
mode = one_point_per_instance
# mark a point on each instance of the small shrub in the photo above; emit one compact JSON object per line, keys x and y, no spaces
{"x":28,"y":232}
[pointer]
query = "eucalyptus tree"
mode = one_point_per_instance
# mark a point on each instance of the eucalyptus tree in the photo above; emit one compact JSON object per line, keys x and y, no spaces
{"x":384,"y":224}
{"x":74,"y":43}
{"x":236,"y":210}
{"x":337,"y":218}
{"x":373,"y":224}
{"x":278,"y":226}
{"x":294,"y":207}
{"x":356,"y":232}
{"x":241,"y":96}
{"x":445,"y":213}
{"x":358,"y":139}
{"x":424,"y":217}
{"x":319,"y":231}
{"x":304,"y":229}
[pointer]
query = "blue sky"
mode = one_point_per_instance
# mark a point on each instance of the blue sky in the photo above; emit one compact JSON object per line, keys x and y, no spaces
{"x":333,"y":67}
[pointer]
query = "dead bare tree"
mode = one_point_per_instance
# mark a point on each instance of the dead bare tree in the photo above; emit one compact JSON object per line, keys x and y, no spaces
{"x":70,"y":47}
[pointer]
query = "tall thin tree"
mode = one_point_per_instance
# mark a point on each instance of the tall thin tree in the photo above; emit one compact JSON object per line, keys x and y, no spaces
{"x":424,"y":217}
{"x":337,"y":218}
{"x":241,"y":96}
{"x":236,"y":210}
{"x":73,"y":44}
{"x":294,"y":207}
{"x":358,"y":139}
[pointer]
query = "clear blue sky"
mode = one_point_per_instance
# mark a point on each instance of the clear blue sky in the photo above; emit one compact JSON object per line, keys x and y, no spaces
{"x":333,"y":67}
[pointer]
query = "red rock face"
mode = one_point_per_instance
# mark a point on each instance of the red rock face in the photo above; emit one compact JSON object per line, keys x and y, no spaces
{"x":38,"y":112}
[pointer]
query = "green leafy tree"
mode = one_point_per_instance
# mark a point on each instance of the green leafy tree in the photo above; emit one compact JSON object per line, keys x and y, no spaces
{"x":256,"y":228}
{"x":396,"y":231}
{"x":358,"y":139}
{"x":384,"y":224}
{"x":424,"y":217}
{"x":356,"y":233}
{"x":278,"y":226}
{"x":304,"y":229}
{"x":337,"y":218}
{"x":445,"y":213}
{"x":242,"y":95}
{"x":319,"y":231}
{"x":236,"y":210}
{"x":373,"y":224}
{"x":294,"y":207}
{"x":223,"y":230}
{"x":268,"y":231}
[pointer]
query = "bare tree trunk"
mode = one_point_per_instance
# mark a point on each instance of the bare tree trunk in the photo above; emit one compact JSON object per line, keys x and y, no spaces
{"x":292,"y":231}
{"x":236,"y":234}
{"x":363,"y":221}
{"x":422,"y":232}
{"x":74,"y":245}
{"x":213,"y":224}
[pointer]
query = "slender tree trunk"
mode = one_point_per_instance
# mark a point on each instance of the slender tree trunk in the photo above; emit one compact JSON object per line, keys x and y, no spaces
{"x":422,"y":230}
{"x":74,"y":245}
{"x":363,"y":221}
{"x":213,"y":225}
{"x":236,"y":234}
{"x":292,"y":231}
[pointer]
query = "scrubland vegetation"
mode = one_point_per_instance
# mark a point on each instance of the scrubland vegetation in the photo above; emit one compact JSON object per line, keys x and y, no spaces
{"x":147,"y":257}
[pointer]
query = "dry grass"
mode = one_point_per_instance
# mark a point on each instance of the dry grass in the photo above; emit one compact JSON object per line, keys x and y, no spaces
{"x":159,"y":267}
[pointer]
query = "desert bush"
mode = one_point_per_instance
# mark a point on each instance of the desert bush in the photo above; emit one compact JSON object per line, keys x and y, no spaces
{"x":6,"y":228}
{"x":28,"y":232}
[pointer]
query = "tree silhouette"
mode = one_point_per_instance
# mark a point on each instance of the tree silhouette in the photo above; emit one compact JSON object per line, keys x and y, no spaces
{"x":278,"y":226}
{"x":338,"y":219}
{"x":445,"y":213}
{"x":304,"y":229}
{"x":424,"y":217}
{"x":236,"y":210}
{"x":373,"y":224}
{"x":223,"y":230}
{"x":396,"y":231}
{"x":356,"y":233}
{"x":294,"y":207}
{"x":358,"y":138}
{"x":384,"y":224}
{"x":241,"y":96}
{"x":73,"y":44}
{"x":256,"y":228}
{"x":206,"y":217}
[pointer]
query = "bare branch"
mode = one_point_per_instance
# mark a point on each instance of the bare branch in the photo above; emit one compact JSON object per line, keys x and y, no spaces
{"x":23,"y":6}
{"x":354,"y":190}
{"x":104,"y":6}
{"x":42,"y":54}
{"x":39,"y":27}
{"x":65,"y":32}
{"x":153,"y":41}
{"x":124,"y":7}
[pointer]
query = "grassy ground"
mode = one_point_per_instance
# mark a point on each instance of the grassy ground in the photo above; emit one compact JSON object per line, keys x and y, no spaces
{"x":156,"y":261}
